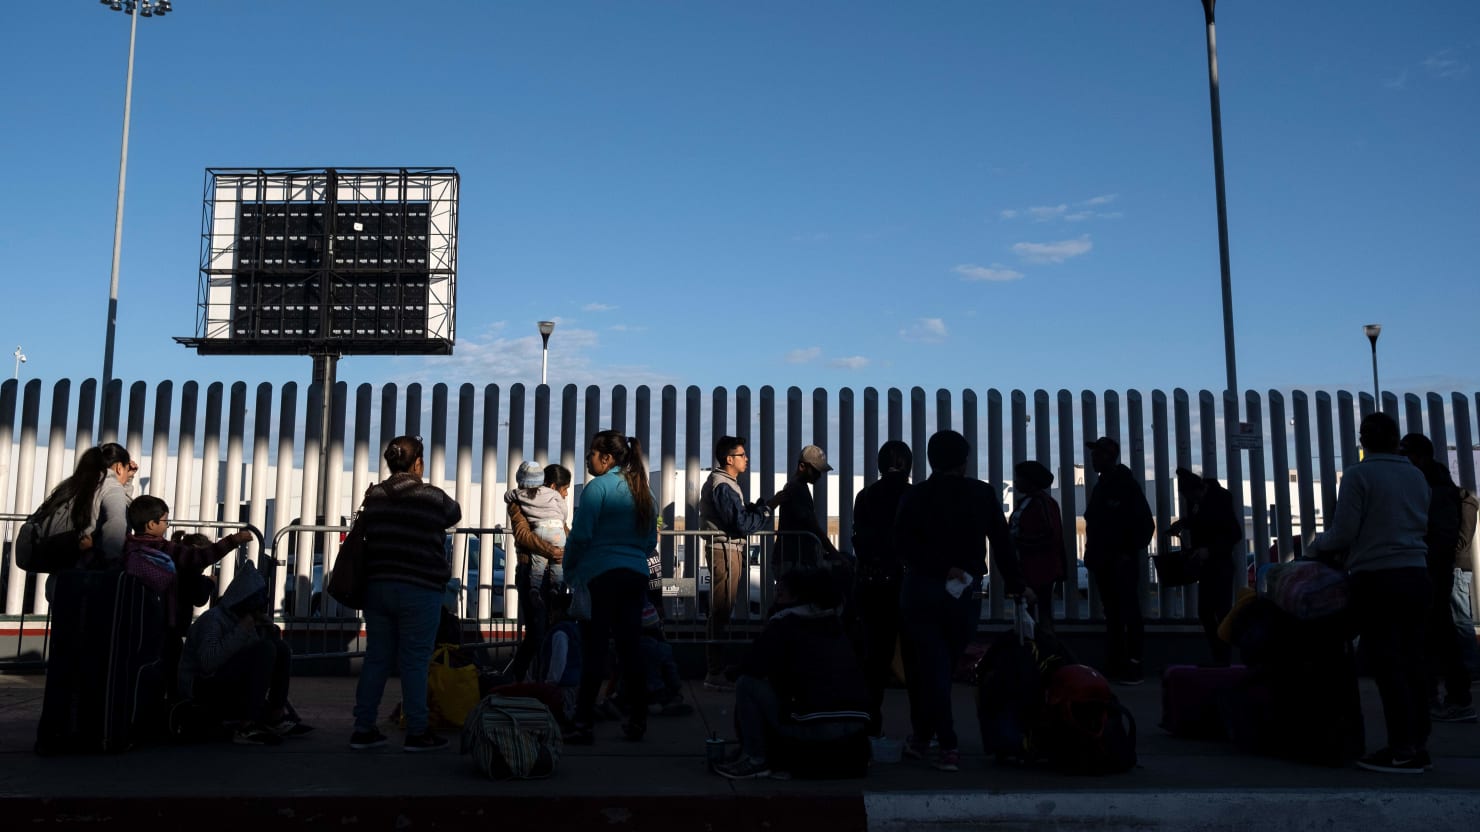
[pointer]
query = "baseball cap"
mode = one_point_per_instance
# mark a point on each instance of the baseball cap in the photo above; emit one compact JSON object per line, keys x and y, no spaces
{"x":1104,"y":443}
{"x":531,"y":475}
{"x":815,"y":457}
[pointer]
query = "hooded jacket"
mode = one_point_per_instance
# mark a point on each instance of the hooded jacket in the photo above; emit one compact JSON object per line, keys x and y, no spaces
{"x":218,"y":635}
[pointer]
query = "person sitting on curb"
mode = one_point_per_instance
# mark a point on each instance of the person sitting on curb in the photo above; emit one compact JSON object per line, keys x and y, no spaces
{"x":236,"y":664}
{"x":800,"y":687}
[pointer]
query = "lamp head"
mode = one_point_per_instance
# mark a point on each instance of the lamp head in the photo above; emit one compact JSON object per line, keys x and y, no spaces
{"x":546,"y":327}
{"x":1372,"y":330}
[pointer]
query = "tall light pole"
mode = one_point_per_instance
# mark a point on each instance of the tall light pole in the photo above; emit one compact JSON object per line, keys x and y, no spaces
{"x":1228,"y":351}
{"x":135,"y":10}
{"x":1374,"y":330}
{"x":20,"y":358}
{"x":546,"y":327}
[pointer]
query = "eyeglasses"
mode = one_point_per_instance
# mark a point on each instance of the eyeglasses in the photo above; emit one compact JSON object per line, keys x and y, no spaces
{"x":741,"y":454}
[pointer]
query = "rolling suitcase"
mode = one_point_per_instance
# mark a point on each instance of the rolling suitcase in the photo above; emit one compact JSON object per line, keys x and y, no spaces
{"x":105,"y":685}
{"x":1190,"y":699}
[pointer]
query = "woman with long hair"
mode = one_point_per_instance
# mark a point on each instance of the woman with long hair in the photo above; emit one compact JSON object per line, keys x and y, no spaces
{"x":406,"y":522}
{"x":614,"y":529}
{"x":96,"y":498}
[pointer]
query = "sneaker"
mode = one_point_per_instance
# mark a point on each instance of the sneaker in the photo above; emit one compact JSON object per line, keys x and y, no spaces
{"x":950,"y":760}
{"x":254,"y":734}
{"x":291,"y":728}
{"x":745,"y":768}
{"x":718,"y":682}
{"x":362,"y":740}
{"x":1132,"y":674}
{"x":1384,"y":760}
{"x":426,"y":741}
{"x":1425,"y":760}
{"x":1452,"y":713}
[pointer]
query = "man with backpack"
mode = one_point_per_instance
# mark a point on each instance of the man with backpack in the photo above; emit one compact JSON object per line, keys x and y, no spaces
{"x":1214,"y":529}
{"x":880,"y":570}
{"x":1117,"y":527}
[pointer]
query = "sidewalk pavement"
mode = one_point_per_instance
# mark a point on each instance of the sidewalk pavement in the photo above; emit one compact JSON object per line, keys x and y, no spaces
{"x":662,"y":783}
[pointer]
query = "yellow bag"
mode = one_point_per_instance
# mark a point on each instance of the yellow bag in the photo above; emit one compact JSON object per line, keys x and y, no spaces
{"x":452,"y":692}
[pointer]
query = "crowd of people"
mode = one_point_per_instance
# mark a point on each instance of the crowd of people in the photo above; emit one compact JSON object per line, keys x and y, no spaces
{"x":810,"y":689}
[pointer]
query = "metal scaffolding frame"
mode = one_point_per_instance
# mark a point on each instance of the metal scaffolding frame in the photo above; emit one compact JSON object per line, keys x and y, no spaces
{"x":327,"y":261}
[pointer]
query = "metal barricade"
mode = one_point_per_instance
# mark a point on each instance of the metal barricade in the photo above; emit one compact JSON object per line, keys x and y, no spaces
{"x":687,"y":580}
{"x":14,"y":627}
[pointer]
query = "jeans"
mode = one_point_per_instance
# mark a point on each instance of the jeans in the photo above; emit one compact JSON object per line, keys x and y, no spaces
{"x":878,"y":601}
{"x":728,"y":569}
{"x":1214,"y":600}
{"x":617,"y":596}
{"x":1464,"y":622}
{"x":401,"y":626}
{"x":938,"y":628}
{"x":1119,"y":585}
{"x":758,"y":721}
{"x":534,"y":612}
{"x":1391,"y":611}
{"x":251,"y":683}
{"x":1445,"y":659}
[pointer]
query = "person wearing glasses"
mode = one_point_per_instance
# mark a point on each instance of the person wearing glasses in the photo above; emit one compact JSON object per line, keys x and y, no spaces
{"x":94,"y":501}
{"x":612,"y":532}
{"x":724,"y":512}
{"x":406,"y":521}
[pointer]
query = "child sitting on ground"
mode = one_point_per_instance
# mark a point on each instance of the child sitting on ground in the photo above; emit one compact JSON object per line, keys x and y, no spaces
{"x":236,"y":664}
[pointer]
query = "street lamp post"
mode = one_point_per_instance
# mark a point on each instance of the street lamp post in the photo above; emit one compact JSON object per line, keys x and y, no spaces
{"x":135,"y":10}
{"x":1228,"y":350}
{"x":546,"y":327}
{"x":20,"y":358}
{"x":1374,"y":330}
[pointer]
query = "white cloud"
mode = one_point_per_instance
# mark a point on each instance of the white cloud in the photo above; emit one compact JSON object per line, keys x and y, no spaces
{"x":1044,"y":213}
{"x":851,"y":362}
{"x":1397,"y":82}
{"x":1104,"y":199}
{"x":499,"y":359}
{"x":927,"y":330}
{"x":597,"y":307}
{"x":995,"y":273}
{"x":626,"y":328}
{"x":803,"y":355}
{"x":1056,"y":252}
{"x":1445,"y":65}
{"x":1009,"y":214}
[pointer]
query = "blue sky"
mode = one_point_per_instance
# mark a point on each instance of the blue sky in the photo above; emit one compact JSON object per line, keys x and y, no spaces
{"x":953,"y":194}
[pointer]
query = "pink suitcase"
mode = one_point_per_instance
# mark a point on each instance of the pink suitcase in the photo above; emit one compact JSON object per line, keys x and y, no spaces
{"x":1189,"y":699}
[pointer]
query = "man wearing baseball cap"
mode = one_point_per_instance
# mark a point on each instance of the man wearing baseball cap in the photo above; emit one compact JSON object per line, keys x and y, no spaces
{"x":801,"y":534}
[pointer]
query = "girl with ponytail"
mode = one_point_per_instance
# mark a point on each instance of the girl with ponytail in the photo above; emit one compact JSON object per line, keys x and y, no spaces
{"x":611,"y":534}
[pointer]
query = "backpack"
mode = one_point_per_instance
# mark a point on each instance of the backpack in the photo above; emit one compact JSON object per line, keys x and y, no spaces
{"x":46,"y":542}
{"x":512,"y":738}
{"x":1083,"y":728}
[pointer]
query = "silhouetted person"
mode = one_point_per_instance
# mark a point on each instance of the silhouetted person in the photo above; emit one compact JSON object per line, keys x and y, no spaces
{"x":1038,"y":536}
{"x":1442,"y":538}
{"x":1214,"y":527}
{"x":801,"y":535}
{"x":1377,"y":535}
{"x":1117,"y":527}
{"x":943,"y":526}
{"x":880,"y":571}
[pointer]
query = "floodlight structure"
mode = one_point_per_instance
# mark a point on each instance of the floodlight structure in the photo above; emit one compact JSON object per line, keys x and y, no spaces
{"x":338,"y":261}
{"x":327,"y":262}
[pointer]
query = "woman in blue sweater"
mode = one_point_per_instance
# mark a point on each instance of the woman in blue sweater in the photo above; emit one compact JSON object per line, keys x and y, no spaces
{"x":611,"y":534}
